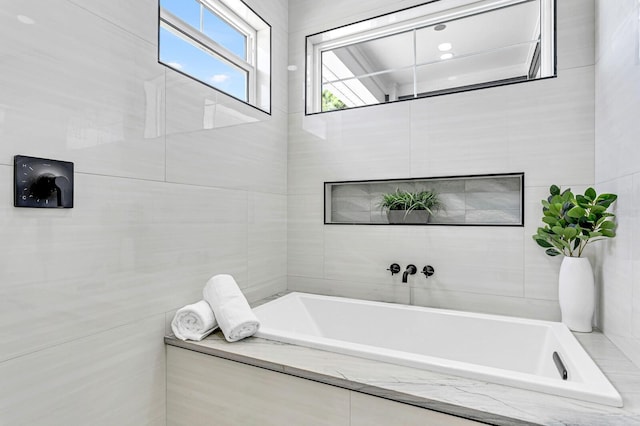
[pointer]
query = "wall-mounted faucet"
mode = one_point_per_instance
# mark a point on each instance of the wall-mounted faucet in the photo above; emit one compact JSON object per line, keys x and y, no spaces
{"x":428,"y":271}
{"x":394,"y":268}
{"x":411,"y":269}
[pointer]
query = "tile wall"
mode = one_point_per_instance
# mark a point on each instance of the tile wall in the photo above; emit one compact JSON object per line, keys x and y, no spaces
{"x":531,"y":128}
{"x":174,"y":183}
{"x":617,"y":168}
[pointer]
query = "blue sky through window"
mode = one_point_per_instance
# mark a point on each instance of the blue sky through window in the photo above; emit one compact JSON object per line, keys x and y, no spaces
{"x":212,"y":25}
{"x":184,"y":56}
{"x":198,"y":63}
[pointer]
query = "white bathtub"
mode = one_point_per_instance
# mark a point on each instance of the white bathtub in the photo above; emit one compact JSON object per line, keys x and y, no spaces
{"x":510,"y":351}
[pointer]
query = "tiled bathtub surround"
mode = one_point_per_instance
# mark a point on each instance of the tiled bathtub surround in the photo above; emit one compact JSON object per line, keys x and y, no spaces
{"x":174,"y":183}
{"x":468,"y":201}
{"x":478,"y":400}
{"x":531,"y":127}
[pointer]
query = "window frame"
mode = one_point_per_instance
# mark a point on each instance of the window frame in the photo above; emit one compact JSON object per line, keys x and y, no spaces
{"x":200,"y":40}
{"x":350,"y":34}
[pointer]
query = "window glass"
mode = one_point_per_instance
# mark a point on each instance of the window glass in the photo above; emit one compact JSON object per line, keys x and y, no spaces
{"x":200,"y":64}
{"x":429,"y":50}
{"x":221,"y":43}
{"x":187,"y":10}
{"x":224,"y":34}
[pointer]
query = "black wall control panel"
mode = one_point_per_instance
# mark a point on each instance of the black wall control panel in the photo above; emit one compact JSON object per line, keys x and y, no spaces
{"x":42,"y":183}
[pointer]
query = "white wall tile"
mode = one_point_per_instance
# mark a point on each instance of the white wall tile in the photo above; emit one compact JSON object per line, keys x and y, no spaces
{"x":354,"y":254}
{"x":550,"y":121}
{"x":139,"y":17}
{"x":108,"y":378}
{"x":396,"y":293}
{"x":460,"y":134}
{"x":249,"y":156}
{"x":132,"y":249}
{"x":305,"y":235}
{"x":617,"y":170}
{"x":635,"y":256}
{"x":488,"y":303}
{"x":575,"y":27}
{"x":94,"y":99}
{"x":540,"y":271}
{"x":311,"y":17}
{"x":267,"y":239}
{"x":345,"y":145}
{"x":617,"y":102}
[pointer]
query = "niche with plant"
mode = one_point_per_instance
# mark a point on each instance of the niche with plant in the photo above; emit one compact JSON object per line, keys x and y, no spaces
{"x":495,"y":200}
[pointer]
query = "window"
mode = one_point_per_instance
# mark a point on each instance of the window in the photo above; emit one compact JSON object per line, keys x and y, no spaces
{"x":221,"y":43}
{"x":427,"y":50}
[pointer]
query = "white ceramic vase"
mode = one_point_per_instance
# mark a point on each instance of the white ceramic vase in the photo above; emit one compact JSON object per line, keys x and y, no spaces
{"x":576,"y":293}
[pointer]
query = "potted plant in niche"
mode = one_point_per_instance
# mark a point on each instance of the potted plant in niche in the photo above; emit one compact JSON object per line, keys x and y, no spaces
{"x":571,"y":223}
{"x":410,"y":207}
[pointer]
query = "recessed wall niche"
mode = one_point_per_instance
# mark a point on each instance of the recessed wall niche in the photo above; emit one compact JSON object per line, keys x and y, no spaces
{"x":476,"y":200}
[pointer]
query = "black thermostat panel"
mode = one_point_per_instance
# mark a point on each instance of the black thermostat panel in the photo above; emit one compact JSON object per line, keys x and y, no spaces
{"x":42,"y":183}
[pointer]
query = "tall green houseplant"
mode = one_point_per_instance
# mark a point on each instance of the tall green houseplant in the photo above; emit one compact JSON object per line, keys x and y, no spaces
{"x":574,"y":221}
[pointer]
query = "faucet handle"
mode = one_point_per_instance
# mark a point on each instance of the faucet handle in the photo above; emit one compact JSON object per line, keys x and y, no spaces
{"x":394,"y":268}
{"x":428,"y":271}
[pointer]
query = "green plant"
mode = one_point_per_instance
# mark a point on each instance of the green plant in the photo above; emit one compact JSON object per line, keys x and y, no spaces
{"x":406,"y":200}
{"x":572,"y":222}
{"x":331,"y":102}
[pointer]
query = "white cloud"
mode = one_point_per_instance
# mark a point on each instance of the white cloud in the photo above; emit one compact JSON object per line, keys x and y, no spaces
{"x":175,"y":65}
{"x":220,"y":78}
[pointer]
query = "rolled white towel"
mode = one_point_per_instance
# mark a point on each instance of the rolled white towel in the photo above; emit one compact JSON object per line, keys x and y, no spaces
{"x":194,"y":322}
{"x":230,"y":307}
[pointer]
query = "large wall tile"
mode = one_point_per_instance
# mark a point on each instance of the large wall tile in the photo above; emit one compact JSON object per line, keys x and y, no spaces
{"x":112,"y":378}
{"x":610,"y":17}
{"x":460,"y":134}
{"x":540,"y":271}
{"x":312,"y":17}
{"x":247,"y":156}
{"x":94,"y":99}
{"x":396,"y":293}
{"x":488,"y":303}
{"x":475,"y":260}
{"x":617,"y":169}
{"x":617,"y":102}
{"x":267,"y":234}
{"x":575,"y":27}
{"x":635,"y":256}
{"x":305,"y":235}
{"x":137,"y":17}
{"x":348,"y":146}
{"x":363,"y":255}
{"x":128,"y":250}
{"x":550,"y":122}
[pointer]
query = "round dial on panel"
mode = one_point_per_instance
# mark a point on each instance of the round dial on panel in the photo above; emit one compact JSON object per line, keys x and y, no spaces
{"x":43,"y":183}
